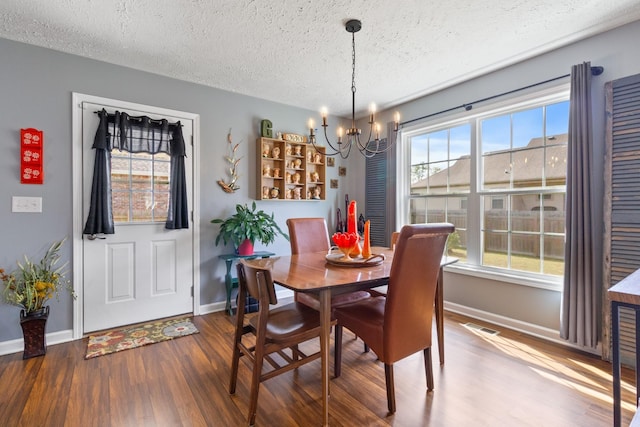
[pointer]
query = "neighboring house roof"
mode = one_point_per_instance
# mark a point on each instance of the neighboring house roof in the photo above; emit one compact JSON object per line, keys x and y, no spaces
{"x":526,"y":167}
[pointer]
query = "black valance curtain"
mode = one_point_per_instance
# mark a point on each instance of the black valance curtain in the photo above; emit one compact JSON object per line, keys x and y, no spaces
{"x":136,"y":135}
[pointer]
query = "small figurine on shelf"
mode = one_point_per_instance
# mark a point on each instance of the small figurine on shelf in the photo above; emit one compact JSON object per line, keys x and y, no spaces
{"x":297,"y":193}
{"x":308,"y":194}
{"x":276,"y":172}
{"x":309,"y":156}
{"x":296,"y":178}
{"x":287,"y":177}
{"x":287,"y":150}
{"x":275,"y":192}
{"x":297,"y":163}
{"x":317,"y":158}
{"x":275,"y":153}
{"x":266,"y":150}
{"x":297,"y":150}
{"x":266,"y":171}
{"x":315,"y":177}
{"x":316,"y":193}
{"x":288,"y":194}
{"x":265,"y":192}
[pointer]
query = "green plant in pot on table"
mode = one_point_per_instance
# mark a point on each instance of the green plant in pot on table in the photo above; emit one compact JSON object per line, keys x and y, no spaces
{"x":247,"y":226}
{"x":29,"y":287}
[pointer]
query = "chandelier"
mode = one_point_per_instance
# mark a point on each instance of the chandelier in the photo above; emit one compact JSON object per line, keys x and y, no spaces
{"x":352,"y":135}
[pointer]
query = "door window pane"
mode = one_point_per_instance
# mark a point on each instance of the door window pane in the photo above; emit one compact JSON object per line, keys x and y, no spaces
{"x":140,"y":186}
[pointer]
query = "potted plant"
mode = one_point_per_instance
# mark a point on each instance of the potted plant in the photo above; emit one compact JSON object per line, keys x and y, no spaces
{"x":29,"y":287}
{"x":247,"y":226}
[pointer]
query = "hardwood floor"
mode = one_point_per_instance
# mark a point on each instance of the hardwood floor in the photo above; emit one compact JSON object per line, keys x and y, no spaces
{"x":503,"y":380}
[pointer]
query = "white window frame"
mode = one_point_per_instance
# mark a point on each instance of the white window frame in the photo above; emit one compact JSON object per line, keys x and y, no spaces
{"x":547,"y":96}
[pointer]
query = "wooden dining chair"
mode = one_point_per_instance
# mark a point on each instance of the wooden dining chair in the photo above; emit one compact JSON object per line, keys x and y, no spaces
{"x":399,"y":324}
{"x":394,"y":239}
{"x":277,"y":330}
{"x":382,"y":290}
{"x":311,"y":235}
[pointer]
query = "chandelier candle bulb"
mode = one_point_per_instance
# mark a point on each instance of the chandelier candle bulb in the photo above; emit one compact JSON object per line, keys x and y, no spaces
{"x":311,"y":127}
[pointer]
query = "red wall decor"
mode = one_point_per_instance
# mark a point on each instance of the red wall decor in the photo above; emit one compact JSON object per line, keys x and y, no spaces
{"x":31,"y":153}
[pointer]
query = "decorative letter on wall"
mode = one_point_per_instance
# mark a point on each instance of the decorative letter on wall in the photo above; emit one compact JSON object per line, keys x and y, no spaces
{"x":266,"y":128}
{"x":31,"y":152}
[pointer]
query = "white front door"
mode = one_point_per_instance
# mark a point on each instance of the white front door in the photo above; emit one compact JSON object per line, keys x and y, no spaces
{"x":143,"y":271}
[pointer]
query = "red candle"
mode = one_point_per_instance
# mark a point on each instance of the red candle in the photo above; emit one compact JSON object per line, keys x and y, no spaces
{"x":366,"y":245}
{"x":352,"y":226}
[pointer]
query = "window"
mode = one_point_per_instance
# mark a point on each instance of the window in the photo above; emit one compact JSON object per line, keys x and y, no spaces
{"x":499,"y":176}
{"x":441,"y":179}
{"x":140,"y":186}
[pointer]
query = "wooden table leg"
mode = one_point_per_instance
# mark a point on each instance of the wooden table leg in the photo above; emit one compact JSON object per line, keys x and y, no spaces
{"x":325,"y":325}
{"x":440,"y":315}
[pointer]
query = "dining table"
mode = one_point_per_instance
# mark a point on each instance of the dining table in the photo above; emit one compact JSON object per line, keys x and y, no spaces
{"x":318,"y":273}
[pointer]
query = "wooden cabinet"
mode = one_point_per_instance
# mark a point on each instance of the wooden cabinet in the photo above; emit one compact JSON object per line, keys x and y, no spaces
{"x":289,"y":171}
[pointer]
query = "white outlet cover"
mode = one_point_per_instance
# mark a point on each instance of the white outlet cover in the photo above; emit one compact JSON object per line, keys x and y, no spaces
{"x":26,"y":204}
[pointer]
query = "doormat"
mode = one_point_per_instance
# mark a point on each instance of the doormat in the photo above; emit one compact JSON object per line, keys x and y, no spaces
{"x":137,"y":336}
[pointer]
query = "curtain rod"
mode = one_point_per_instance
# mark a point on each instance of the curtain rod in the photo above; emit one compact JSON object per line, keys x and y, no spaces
{"x":140,"y":118}
{"x":595,"y":71}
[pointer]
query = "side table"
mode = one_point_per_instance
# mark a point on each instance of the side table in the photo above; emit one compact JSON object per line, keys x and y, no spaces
{"x":230,"y":281}
{"x":625,"y":293}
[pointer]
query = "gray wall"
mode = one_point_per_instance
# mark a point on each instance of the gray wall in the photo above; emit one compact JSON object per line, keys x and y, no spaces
{"x":36,"y":86}
{"x":615,"y":51}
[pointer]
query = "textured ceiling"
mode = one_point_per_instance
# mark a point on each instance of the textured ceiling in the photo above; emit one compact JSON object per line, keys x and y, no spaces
{"x":297,"y":52}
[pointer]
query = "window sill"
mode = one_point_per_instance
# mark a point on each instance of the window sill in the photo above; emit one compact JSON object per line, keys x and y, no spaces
{"x":550,"y":283}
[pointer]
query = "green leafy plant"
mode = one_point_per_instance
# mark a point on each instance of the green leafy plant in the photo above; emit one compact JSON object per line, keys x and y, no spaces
{"x":31,"y":285}
{"x":453,"y":242}
{"x":248,"y":224}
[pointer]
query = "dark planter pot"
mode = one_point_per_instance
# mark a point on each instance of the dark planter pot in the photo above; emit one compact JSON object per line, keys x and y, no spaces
{"x":245,"y":248}
{"x":33,"y":326}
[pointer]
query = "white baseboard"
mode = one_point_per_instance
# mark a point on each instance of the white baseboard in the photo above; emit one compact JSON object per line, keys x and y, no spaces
{"x":16,"y":346}
{"x":281,"y":294}
{"x":517,"y":325}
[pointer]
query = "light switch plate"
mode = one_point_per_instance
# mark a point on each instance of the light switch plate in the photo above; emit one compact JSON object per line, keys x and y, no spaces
{"x":26,"y":204}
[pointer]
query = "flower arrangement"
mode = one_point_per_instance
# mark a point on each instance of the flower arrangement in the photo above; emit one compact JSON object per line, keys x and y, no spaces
{"x":31,"y":285}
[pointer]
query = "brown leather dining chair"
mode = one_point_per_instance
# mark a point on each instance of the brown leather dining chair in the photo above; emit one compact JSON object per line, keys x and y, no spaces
{"x":399,"y":325}
{"x":274,"y":330}
{"x":311,"y":235}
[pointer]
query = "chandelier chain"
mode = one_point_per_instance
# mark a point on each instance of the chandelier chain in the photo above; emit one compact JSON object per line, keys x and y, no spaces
{"x":353,"y":62}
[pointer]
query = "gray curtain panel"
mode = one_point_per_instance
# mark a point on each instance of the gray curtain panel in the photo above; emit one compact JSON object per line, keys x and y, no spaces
{"x":579,"y":317}
{"x":135,"y":135}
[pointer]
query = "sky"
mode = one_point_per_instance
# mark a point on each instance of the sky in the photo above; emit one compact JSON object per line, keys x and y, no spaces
{"x":495,"y":134}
